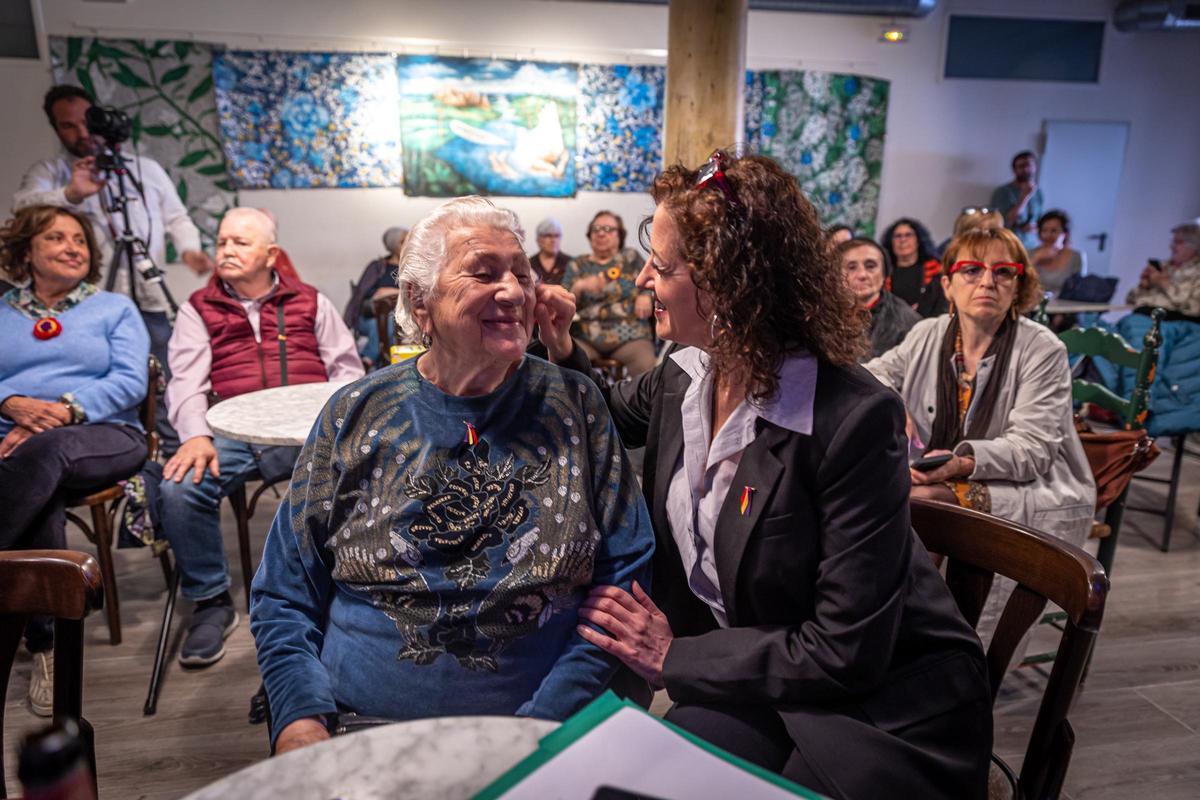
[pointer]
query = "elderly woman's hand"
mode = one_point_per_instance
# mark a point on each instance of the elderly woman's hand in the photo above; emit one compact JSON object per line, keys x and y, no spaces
{"x":639,"y":633}
{"x":13,"y":440}
{"x":555,"y":310}
{"x":300,"y":733}
{"x":956,"y":467}
{"x":36,"y":415}
{"x":1154,"y":277}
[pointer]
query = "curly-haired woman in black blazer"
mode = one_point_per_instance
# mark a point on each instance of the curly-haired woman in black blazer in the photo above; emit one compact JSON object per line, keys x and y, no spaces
{"x":797,"y":621}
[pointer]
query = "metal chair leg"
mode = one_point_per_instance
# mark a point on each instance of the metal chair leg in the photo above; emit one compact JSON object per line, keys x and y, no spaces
{"x":1172,"y":491}
{"x":241,"y":510}
{"x":108,"y":576}
{"x":160,"y":653}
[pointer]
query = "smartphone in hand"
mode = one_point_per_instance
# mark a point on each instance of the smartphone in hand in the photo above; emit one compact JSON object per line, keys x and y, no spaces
{"x":930,"y":463}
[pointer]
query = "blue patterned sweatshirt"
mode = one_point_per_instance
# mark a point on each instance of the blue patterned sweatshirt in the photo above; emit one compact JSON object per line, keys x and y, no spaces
{"x":433,"y":550}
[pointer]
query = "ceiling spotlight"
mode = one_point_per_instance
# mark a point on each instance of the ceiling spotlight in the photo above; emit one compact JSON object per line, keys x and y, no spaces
{"x":892,"y":33}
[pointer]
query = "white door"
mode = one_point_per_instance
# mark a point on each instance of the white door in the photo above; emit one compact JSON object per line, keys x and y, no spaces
{"x":1081,"y":174}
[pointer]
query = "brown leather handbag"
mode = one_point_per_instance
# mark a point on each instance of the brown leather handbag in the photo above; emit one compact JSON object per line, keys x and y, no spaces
{"x":1115,"y":457}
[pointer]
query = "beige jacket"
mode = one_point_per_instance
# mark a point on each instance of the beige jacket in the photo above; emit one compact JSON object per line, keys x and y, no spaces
{"x":1031,"y":458}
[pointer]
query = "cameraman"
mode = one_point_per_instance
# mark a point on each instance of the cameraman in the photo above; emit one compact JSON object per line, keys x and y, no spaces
{"x":72,"y":181}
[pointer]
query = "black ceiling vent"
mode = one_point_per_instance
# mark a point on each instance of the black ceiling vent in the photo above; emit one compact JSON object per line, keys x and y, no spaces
{"x":1157,"y":15}
{"x":874,"y":8}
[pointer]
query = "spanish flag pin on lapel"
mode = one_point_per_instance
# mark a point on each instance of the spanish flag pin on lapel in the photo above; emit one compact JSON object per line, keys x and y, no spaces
{"x":472,"y":438}
{"x":747,"y":496}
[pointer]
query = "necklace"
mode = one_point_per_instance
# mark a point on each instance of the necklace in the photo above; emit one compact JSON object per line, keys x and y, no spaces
{"x":46,"y":328}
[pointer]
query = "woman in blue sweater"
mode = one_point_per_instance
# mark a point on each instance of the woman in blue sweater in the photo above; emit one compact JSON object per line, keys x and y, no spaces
{"x":72,"y":375}
{"x":449,"y":513}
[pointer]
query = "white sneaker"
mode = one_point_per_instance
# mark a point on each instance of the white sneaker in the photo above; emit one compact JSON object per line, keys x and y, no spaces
{"x":41,"y":684}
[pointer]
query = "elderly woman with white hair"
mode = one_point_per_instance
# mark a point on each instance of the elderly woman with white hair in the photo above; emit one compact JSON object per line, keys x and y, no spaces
{"x":449,"y":513}
{"x":550,"y":262}
{"x":1174,"y":286}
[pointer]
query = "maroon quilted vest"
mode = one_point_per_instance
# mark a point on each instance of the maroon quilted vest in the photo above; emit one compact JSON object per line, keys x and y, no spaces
{"x":239,"y":363}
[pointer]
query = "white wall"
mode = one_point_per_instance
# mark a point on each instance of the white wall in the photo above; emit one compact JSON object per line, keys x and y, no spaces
{"x":948,"y":142}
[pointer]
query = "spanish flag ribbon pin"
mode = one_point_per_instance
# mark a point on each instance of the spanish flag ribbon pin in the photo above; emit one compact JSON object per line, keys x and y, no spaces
{"x":472,"y":437}
{"x":747,"y":496}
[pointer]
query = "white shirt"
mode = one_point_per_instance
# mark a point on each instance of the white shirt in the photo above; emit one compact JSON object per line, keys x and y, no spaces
{"x":162,"y":214}
{"x":704,"y":474}
{"x":190,"y":355}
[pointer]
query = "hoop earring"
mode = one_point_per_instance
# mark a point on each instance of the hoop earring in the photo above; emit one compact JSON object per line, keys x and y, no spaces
{"x":952,"y":311}
{"x":1013,"y":311}
{"x":426,"y":340}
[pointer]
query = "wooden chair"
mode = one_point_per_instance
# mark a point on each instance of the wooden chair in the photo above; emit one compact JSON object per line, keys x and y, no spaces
{"x":104,"y":505}
{"x":1099,"y":343}
{"x":383,"y":308}
{"x":67,"y":586}
{"x":977,"y":547}
{"x":243,"y":510}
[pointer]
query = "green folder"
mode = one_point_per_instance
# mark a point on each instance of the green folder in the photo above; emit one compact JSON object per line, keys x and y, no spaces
{"x":591,"y":716}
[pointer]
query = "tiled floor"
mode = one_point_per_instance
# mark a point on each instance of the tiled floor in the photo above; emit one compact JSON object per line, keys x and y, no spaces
{"x":1136,"y":722}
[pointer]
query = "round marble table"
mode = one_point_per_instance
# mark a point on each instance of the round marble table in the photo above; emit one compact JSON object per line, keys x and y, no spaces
{"x":1077,"y":307}
{"x":448,"y":757}
{"x":280,"y":416}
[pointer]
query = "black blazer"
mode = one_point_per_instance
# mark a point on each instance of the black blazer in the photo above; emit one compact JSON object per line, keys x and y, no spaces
{"x":832,"y":601}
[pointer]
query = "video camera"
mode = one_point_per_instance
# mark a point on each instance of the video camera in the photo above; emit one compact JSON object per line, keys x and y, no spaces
{"x":113,"y":126}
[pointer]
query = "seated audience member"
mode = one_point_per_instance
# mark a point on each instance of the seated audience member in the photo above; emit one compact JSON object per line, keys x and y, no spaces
{"x":866,"y":267}
{"x":228,"y":341}
{"x":73,"y":373}
{"x":1020,"y":201}
{"x":914,"y":267}
{"x":614,"y":315}
{"x":447,"y":516}
{"x":993,"y":390}
{"x":839,"y":234}
{"x":1054,"y":259}
{"x":1174,"y":286}
{"x":549,"y":261}
{"x":377,"y":280}
{"x":796,"y":617}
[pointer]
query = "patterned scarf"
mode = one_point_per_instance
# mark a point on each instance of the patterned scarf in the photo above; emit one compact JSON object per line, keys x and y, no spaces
{"x":947,"y":422}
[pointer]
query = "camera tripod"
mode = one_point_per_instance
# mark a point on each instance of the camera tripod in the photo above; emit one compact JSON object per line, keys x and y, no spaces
{"x":127,"y":247}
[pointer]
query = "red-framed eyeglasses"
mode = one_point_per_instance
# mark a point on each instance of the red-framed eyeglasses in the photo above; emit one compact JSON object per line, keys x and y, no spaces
{"x":713,"y":172}
{"x":1002,"y":271}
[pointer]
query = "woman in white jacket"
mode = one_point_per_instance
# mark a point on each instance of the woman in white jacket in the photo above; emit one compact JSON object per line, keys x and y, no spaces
{"x":993,"y":390}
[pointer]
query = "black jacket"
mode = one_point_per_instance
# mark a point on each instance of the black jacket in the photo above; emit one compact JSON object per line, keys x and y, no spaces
{"x":837,"y":618}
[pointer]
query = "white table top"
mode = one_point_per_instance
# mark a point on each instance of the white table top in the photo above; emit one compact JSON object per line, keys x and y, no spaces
{"x":448,"y":757}
{"x":280,"y":416}
{"x":1075,"y":307}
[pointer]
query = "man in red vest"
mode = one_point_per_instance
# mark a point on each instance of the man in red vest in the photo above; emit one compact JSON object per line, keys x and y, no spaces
{"x":227,"y":341}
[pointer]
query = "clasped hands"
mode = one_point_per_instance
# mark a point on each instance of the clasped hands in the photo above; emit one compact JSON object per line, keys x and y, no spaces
{"x":30,"y":416}
{"x":956,"y":467}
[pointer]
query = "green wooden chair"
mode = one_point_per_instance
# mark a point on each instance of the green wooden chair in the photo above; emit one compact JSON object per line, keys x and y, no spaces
{"x":1099,"y":343}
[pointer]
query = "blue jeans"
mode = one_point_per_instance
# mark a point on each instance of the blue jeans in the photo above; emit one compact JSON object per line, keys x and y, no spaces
{"x":191,"y":517}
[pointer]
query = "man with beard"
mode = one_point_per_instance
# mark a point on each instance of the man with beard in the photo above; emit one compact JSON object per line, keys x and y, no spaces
{"x":1021,"y":201}
{"x":252,"y":327}
{"x":70,"y":180}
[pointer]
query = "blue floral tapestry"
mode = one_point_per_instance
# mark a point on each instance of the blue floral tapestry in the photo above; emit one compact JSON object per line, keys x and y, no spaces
{"x":828,"y":130}
{"x":303,"y":120}
{"x":166,"y":89}
{"x":487,"y":126}
{"x":620,"y":126}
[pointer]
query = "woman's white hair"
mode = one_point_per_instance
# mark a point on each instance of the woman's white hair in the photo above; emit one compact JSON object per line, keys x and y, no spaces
{"x":424,"y":254}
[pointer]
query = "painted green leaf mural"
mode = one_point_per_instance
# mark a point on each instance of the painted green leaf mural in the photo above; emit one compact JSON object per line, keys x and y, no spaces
{"x":166,"y":89}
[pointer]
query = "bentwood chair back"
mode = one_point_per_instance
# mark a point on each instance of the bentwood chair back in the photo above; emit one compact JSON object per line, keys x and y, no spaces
{"x":104,"y":503}
{"x":384,"y":307}
{"x":977,"y":547}
{"x":62,"y":584}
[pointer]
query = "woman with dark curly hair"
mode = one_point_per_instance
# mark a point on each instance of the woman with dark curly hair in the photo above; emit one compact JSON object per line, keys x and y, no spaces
{"x":916,"y":266}
{"x":796,"y":618}
{"x":72,"y":375}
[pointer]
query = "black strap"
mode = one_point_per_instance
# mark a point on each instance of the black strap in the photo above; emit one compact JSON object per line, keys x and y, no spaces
{"x":281,"y":332}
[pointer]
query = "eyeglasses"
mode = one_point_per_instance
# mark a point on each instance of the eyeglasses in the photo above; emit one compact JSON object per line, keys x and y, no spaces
{"x":970,"y":210}
{"x":604,"y":229}
{"x":713,"y":172}
{"x":1002,"y":271}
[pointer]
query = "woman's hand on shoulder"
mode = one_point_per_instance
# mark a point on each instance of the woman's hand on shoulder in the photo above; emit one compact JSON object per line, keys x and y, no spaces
{"x":555,"y":311}
{"x":36,"y":415}
{"x":300,"y":733}
{"x":638,"y":632}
